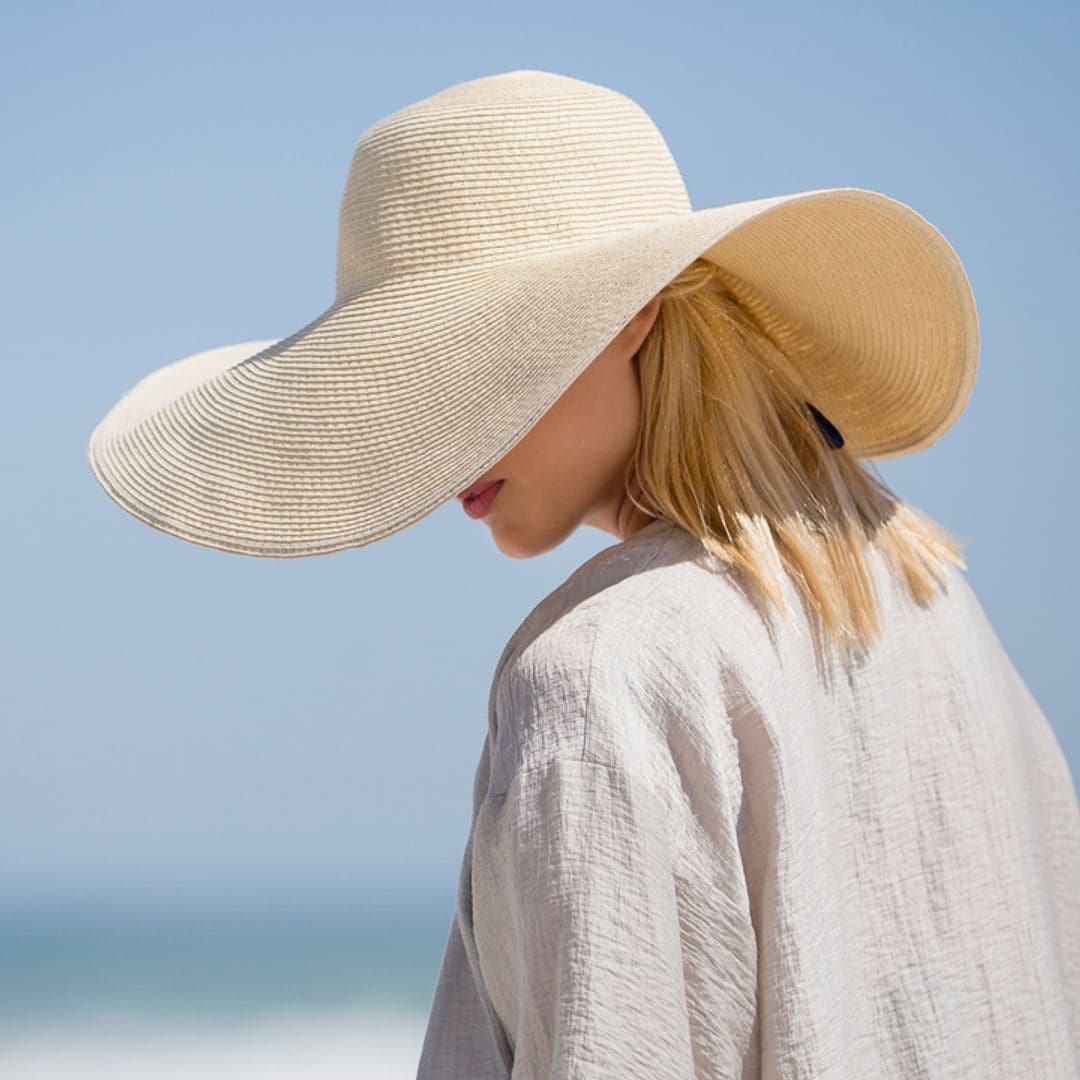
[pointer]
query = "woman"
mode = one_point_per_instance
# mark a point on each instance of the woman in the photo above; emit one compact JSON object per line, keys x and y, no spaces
{"x":761,"y":794}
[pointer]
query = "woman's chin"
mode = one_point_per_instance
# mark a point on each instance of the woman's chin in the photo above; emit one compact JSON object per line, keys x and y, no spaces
{"x":513,"y":547}
{"x":518,"y":542}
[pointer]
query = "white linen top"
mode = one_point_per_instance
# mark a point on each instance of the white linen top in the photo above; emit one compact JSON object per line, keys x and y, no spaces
{"x":701,"y":848}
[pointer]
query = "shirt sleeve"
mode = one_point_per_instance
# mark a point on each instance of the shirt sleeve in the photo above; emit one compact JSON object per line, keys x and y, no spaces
{"x":458,"y":1041}
{"x":577,"y":924}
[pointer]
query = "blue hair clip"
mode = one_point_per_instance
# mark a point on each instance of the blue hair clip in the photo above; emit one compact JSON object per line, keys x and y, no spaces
{"x":836,"y":440}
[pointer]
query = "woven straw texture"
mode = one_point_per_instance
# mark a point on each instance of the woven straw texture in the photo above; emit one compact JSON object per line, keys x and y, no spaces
{"x":493,"y":239}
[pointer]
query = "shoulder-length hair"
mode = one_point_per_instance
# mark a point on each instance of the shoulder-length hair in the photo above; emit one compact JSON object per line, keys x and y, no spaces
{"x":729,"y":450}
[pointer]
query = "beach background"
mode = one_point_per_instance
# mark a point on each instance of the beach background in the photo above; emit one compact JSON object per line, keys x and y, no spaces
{"x":235,"y":793}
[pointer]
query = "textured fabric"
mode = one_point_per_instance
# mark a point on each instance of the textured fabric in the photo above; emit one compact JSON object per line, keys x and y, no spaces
{"x":701,"y":847}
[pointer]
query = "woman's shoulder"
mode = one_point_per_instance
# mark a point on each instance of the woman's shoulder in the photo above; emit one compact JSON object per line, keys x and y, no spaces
{"x":601,"y":666}
{"x":641,"y":589}
{"x":642,"y":594}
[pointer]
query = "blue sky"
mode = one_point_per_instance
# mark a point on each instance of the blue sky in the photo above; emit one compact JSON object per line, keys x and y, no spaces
{"x":183,"y":722}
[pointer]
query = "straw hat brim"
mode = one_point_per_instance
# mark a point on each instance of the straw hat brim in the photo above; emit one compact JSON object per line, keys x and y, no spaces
{"x":388,"y":403}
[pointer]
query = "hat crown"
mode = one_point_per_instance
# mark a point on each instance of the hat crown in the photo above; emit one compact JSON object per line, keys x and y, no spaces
{"x":496,"y":169}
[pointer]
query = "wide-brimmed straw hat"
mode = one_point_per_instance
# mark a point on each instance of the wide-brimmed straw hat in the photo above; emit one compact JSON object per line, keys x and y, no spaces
{"x":493,"y":239}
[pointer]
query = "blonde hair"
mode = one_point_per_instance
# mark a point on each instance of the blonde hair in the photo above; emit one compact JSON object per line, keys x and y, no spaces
{"x":728,"y":450}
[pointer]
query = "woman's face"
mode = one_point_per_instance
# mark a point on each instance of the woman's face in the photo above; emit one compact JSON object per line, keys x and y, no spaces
{"x":569,"y":469}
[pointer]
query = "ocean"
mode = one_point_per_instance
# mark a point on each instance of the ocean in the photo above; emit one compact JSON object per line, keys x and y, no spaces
{"x":313,"y":989}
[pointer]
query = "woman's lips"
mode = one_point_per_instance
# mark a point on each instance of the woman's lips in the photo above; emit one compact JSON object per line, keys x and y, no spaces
{"x":477,"y":505}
